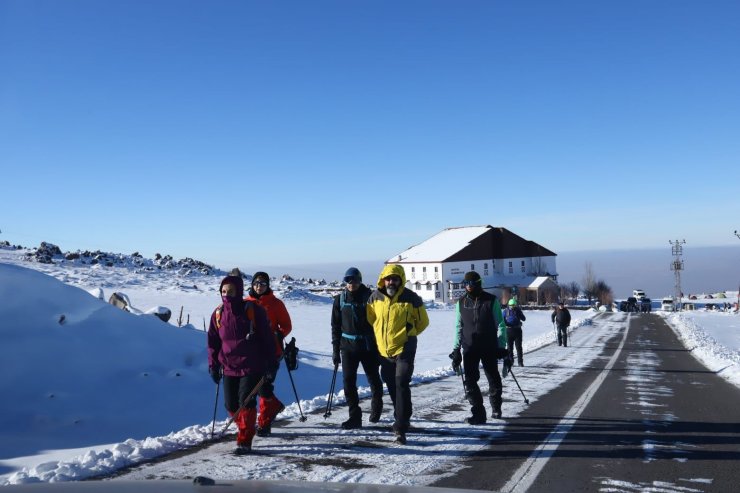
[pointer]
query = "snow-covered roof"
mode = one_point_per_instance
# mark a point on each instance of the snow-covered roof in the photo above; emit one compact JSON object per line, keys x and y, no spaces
{"x":440,"y":246}
{"x":538,"y":282}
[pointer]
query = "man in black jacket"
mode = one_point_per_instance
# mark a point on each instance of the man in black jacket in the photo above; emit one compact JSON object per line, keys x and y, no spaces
{"x":481,"y":333}
{"x":561,"y":317}
{"x":353,"y":341}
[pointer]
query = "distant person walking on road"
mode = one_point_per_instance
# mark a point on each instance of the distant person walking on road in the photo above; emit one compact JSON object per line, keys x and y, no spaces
{"x":398,"y":316}
{"x":513,"y":317}
{"x":240,"y":346}
{"x":353,"y":342}
{"x":561,"y":318}
{"x":481,"y":333}
{"x":280,"y":324}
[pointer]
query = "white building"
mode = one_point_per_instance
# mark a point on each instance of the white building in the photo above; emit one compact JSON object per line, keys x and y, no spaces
{"x":507,"y":263}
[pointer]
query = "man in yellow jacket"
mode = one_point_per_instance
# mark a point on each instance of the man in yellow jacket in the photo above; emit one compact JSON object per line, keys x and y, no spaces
{"x":397,"y":316}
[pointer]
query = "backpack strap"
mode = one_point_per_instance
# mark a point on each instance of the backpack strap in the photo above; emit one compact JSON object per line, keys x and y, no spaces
{"x":248,"y":309}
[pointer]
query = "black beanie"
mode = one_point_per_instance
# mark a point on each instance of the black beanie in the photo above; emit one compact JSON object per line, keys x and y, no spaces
{"x":261,"y":275}
{"x":472,"y":276}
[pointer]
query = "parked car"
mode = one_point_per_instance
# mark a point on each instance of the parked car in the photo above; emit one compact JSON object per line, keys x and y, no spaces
{"x":666,"y":304}
{"x":638,"y":294}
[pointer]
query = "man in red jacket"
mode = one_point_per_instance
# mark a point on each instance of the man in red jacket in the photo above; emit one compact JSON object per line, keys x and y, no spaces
{"x":260,"y":293}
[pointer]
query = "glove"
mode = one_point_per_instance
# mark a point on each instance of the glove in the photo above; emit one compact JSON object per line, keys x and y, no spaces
{"x":336,"y":358}
{"x":456,"y":358}
{"x":215,"y":374}
{"x":508,"y":362}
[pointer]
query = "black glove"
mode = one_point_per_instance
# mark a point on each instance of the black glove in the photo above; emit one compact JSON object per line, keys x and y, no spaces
{"x":215,"y":374}
{"x":336,"y":358}
{"x":508,"y":362}
{"x":456,"y":358}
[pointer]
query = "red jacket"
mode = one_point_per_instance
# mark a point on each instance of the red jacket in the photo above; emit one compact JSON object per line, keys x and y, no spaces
{"x":277,"y":314}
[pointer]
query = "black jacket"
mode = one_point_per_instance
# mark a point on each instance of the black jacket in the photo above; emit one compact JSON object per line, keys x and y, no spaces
{"x":478,"y":323}
{"x":349,"y":317}
{"x":561,"y":317}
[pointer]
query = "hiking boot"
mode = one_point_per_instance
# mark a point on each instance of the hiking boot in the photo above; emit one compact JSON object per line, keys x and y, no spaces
{"x":374,"y":416}
{"x":475,"y":420}
{"x":400,"y":437}
{"x":521,"y":362}
{"x":243,"y":449}
{"x":496,"y":414}
{"x":264,"y":431}
{"x":351,"y":424}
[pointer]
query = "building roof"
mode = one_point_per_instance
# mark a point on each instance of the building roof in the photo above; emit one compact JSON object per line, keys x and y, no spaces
{"x":540,"y":281}
{"x":440,"y":246}
{"x":471,"y":243}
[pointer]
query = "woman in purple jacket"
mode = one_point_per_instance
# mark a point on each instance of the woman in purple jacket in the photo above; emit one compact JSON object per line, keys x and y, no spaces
{"x":241,"y":347}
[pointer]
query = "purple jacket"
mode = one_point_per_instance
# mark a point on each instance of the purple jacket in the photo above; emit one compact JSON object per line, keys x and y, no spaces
{"x":239,"y":336}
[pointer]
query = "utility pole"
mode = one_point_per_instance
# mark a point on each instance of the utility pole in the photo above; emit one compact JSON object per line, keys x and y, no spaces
{"x":677,"y":267}
{"x":737,"y":306}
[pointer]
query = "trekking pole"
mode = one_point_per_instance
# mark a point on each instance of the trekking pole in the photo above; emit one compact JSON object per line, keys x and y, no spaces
{"x":254,"y":391}
{"x":295,"y":392}
{"x":462,"y":377}
{"x":517,"y":384}
{"x":215,"y":406}
{"x":331,"y":393}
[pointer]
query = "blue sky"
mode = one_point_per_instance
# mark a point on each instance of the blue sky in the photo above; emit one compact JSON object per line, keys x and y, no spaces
{"x":279,"y":133}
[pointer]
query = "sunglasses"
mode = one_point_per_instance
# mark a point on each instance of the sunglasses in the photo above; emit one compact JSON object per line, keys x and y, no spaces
{"x":469,"y":283}
{"x":259,"y":283}
{"x":351,"y":280}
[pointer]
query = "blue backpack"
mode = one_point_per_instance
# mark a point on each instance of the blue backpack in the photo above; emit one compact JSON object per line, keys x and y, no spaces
{"x":510,"y":316}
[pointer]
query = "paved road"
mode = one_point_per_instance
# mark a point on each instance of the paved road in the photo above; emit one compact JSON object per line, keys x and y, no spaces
{"x":645,"y":416}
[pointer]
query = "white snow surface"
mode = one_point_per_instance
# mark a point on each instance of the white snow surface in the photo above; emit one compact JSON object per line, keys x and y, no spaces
{"x":89,"y":389}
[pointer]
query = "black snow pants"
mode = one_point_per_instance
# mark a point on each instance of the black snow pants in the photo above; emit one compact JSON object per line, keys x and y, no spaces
{"x":370,"y":360}
{"x":396,"y":373}
{"x":471,"y":360}
{"x":514,"y":336}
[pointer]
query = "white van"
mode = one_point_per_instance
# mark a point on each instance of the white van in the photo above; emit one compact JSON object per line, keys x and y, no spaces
{"x":666,"y":304}
{"x":639,"y":294}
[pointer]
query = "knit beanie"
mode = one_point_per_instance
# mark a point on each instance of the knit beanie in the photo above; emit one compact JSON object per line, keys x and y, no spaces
{"x":472,"y":276}
{"x":261,"y":276}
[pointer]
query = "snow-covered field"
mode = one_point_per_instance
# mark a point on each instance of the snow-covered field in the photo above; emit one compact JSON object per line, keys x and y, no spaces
{"x":88,"y":388}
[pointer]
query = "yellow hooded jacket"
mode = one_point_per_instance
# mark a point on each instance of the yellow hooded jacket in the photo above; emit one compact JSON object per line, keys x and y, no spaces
{"x":395,"y":319}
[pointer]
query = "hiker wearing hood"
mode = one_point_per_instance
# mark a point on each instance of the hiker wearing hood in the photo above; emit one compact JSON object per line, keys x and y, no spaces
{"x":397,"y":316}
{"x":239,"y":345}
{"x":480,"y":331}
{"x":280,"y":325}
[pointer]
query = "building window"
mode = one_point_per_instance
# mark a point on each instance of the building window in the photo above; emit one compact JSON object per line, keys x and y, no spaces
{"x":429,"y":287}
{"x":472,"y":266}
{"x":424,"y":273}
{"x":436,"y":272}
{"x":418,"y":286}
{"x":523,"y":266}
{"x":485,"y":265}
{"x":413,"y":272}
{"x":511,"y":267}
{"x":485,"y":272}
{"x":455,"y":285}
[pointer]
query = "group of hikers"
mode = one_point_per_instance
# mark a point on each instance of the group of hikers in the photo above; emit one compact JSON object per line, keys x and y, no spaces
{"x":377,"y":329}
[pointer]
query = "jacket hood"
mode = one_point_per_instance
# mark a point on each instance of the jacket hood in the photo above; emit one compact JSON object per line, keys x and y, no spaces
{"x":236,"y":281}
{"x":392,"y":270}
